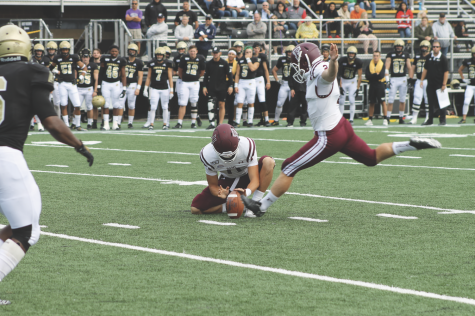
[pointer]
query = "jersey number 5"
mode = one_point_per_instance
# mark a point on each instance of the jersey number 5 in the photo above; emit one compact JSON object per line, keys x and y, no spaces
{"x":3,"y":87}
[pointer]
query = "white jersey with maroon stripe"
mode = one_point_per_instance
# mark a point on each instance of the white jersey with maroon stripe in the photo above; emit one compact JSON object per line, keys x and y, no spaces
{"x":246,"y":157}
{"x":322,"y":98}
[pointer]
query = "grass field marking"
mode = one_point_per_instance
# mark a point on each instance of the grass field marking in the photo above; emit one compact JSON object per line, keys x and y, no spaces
{"x":396,"y":216}
{"x":468,"y":156}
{"x":163,"y":181}
{"x":409,"y":157}
{"x":216,"y":223}
{"x":121,"y":226}
{"x":310,"y":219}
{"x":457,"y":212}
{"x":119,"y":164}
{"x":59,"y":166}
{"x":180,"y":162}
{"x":269,"y":269}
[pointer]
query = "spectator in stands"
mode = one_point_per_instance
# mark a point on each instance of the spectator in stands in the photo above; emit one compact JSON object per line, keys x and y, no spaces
{"x":422,"y":13}
{"x":369,"y":4}
{"x":257,"y":29}
{"x":193,"y":17}
{"x":152,"y":10}
{"x":442,"y":29}
{"x":423,"y":32}
{"x":296,"y":12}
{"x":344,"y":13}
{"x":265,"y":12}
{"x":365,"y":30}
{"x":218,"y":7}
{"x":318,"y":6}
{"x":205,"y":32}
{"x":184,"y":31}
{"x":356,"y":15}
{"x":134,"y":17}
{"x":461,"y":32}
{"x":307,"y":29}
{"x":393,"y":4}
{"x":280,"y":27}
{"x":236,"y":7}
{"x":255,"y":2}
{"x":331,"y":13}
{"x":351,"y":5}
{"x":159,"y":31}
{"x":404,"y":18}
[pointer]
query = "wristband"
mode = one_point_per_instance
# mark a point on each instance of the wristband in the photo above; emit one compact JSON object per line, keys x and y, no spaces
{"x":171,"y":90}
{"x":235,"y":85}
{"x":386,"y":72}
{"x":387,"y":78}
{"x":248,"y":192}
{"x":138,"y":87}
{"x":124,"y":89}
{"x":98,"y":86}
{"x":248,"y":60}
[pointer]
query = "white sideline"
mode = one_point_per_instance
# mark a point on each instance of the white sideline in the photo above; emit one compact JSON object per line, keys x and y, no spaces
{"x":163,"y":181}
{"x":310,"y":219}
{"x":269,"y":269}
{"x":216,"y":223}
{"x":121,"y":226}
{"x":396,"y":216}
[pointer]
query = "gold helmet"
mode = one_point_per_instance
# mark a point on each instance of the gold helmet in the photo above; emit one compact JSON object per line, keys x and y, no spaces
{"x":51,"y":46}
{"x":14,"y":41}
{"x":351,"y":50}
{"x":455,"y":84}
{"x":98,"y":101}
{"x":160,"y":51}
{"x":239,"y":44}
{"x":168,"y":51}
{"x":39,"y":47}
{"x":473,"y":50}
{"x":63,"y":46}
{"x":425,"y":43}
{"x":399,"y":43}
{"x":133,"y":47}
{"x":289,"y":48}
{"x":181,"y":45}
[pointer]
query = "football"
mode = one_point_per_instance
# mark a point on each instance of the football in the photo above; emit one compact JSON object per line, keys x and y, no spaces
{"x":234,"y":205}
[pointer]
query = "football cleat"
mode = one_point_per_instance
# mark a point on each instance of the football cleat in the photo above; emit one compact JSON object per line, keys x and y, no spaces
{"x":150,"y":128}
{"x":115,"y":126}
{"x":462,"y":121}
{"x":198,"y":120}
{"x":244,"y":123}
{"x":130,"y":125}
{"x":250,"y":125}
{"x":32,"y":127}
{"x":442,"y":123}
{"x":40,"y":127}
{"x":80,"y":129}
{"x":249,"y":214}
{"x":253,"y":206}
{"x":369,"y":123}
{"x":401,"y":121}
{"x":106,"y":127}
{"x":146,"y":125}
{"x":211,"y":126}
{"x":385,"y":122}
{"x":72,"y":127}
{"x":351,"y":122}
{"x":290,"y":125}
{"x":5,"y":302}
{"x":424,"y":143}
{"x":303,"y":124}
{"x":266,"y":124}
{"x":261,"y":123}
{"x":94,"y":125}
{"x":165,"y":127}
{"x":193,"y":125}
{"x":178,"y":125}
{"x":89,"y":126}
{"x":427,"y":123}
{"x":235,"y":124}
{"x":275,"y":123}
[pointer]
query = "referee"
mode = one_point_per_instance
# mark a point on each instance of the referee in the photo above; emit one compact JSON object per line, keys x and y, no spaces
{"x":436,"y":71}
{"x":215,"y":85}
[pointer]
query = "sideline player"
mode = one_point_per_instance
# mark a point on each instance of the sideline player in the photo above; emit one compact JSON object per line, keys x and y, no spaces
{"x":51,"y":51}
{"x":244,"y":83}
{"x":191,"y":69}
{"x":284,"y":91}
{"x":418,"y":67}
{"x":348,"y":67}
{"x":377,"y":87}
{"x":326,"y":52}
{"x":159,"y":79}
{"x":134,"y":74}
{"x":235,"y":158}
{"x":24,"y":91}
{"x":396,"y":63}
{"x":39,"y":58}
{"x":67,"y":65}
{"x":96,"y":58}
{"x":262,"y":76}
{"x":111,"y":74}
{"x":332,"y":132}
{"x":87,"y":86}
{"x":470,"y":81}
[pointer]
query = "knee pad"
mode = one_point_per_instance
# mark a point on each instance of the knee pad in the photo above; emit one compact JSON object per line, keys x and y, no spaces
{"x":23,"y":235}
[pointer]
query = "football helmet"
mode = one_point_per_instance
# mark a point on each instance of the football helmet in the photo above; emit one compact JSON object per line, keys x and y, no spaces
{"x":288,"y":50}
{"x":168,"y":51}
{"x":38,"y":48}
{"x":85,"y":52}
{"x":98,"y":101}
{"x":160,"y":51}
{"x":181,"y":45}
{"x":225,"y":141}
{"x":455,"y":84}
{"x":132,"y":48}
{"x":14,"y":41}
{"x":303,"y":56}
{"x":351,"y":50}
{"x":239,"y":44}
{"x":327,"y":47}
{"x":51,"y":46}
{"x":425,"y":43}
{"x":64,"y":48}
{"x":399,"y":43}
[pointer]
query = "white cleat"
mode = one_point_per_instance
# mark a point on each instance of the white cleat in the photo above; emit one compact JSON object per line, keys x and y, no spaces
{"x":5,"y":302}
{"x":385,"y":122}
{"x":369,"y":123}
{"x":106,"y":127}
{"x":424,"y":143}
{"x":40,"y":127}
{"x":146,"y":125}
{"x":249,"y":214}
{"x":115,"y":126}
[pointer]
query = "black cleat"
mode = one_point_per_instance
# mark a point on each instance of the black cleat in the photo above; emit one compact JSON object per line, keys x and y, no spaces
{"x":442,"y":123}
{"x":198,"y":120}
{"x":427,"y":123}
{"x":289,"y":125}
{"x":72,"y":127}
{"x":193,"y":125}
{"x":275,"y":123}
{"x":236,"y":124}
{"x":250,"y":125}
{"x":244,"y":123}
{"x":80,"y":129}
{"x":130,"y":125}
{"x":32,"y":127}
{"x":178,"y":125}
{"x":211,"y":126}
{"x":401,"y":121}
{"x":261,"y":123}
{"x":94,"y":125}
{"x":303,"y":124}
{"x":462,"y":121}
{"x":89,"y":126}
{"x":424,"y":143}
{"x":253,"y":206}
{"x":266,"y":124}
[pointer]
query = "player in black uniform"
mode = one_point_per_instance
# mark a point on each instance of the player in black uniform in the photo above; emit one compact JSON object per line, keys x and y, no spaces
{"x":87,"y":85}
{"x":245,"y":83}
{"x":24,"y":91}
{"x":160,"y":81}
{"x":96,"y":58}
{"x":51,"y":50}
{"x":66,"y":72}
{"x":396,"y":63}
{"x":284,"y":90}
{"x":39,"y":58}
{"x":470,"y":81}
{"x":262,"y":84}
{"x":191,"y":69}
{"x":419,"y":93}
{"x":111,"y":75}
{"x":348,"y":67}
{"x":134,"y":74}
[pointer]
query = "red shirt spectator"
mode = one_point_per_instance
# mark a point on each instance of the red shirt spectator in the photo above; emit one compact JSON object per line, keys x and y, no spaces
{"x":404,"y":17}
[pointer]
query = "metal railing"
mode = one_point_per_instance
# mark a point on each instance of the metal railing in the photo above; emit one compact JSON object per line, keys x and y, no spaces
{"x":44,"y":29}
{"x":93,"y":34}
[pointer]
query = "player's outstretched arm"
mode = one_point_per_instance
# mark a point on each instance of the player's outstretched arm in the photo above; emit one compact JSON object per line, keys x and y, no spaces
{"x":61,"y":133}
{"x":329,"y":75}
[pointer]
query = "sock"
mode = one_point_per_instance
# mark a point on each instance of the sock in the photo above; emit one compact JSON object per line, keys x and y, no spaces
{"x":131,"y":119}
{"x":465,"y":109}
{"x":257,"y":196}
{"x":77,"y":120}
{"x":119,"y":119}
{"x":32,"y":123}
{"x":193,"y":121}
{"x":268,"y":201}
{"x":278,"y":111}
{"x":352,"y":111}
{"x":89,"y":121}
{"x":114,"y":119}
{"x":169,"y":115}
{"x":66,"y":119}
{"x":106,"y":119}
{"x":165,"y":117}
{"x":244,"y":113}
{"x":224,"y":208}
{"x":238,"y":115}
{"x":94,"y":121}
{"x":250,"y":114}
{"x":57,"y":109}
{"x":370,"y":118}
{"x":401,"y":114}
{"x":342,"y":108}
{"x":211,"y":111}
{"x":150,"y":117}
{"x":267,"y":119}
{"x":180,"y":122}
{"x":389,"y":114}
{"x":415,"y":113}
{"x":10,"y":256}
{"x":400,"y":147}
{"x":194,"y":112}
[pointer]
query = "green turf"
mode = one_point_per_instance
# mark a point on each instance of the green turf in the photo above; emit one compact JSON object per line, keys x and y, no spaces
{"x":433,"y":253}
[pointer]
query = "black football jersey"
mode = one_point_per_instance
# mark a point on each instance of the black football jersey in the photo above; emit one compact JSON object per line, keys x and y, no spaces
{"x":44,"y":61}
{"x":131,"y":70}
{"x":284,"y":64}
{"x":176,"y":61}
{"x":88,"y":80}
{"x":113,"y":68}
{"x":17,"y":79}
{"x":192,"y":67}
{"x":470,"y":64}
{"x":261,"y":58}
{"x":398,"y":64}
{"x":419,"y":61}
{"x":347,"y":70}
{"x":66,"y":67}
{"x":159,"y":79}
{"x":244,"y":71}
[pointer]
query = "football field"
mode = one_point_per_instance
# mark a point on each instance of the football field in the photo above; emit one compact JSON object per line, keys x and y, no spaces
{"x":118,"y":238}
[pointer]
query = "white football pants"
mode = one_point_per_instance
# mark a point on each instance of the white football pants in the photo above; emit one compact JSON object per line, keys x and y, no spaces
{"x":85,"y":94}
{"x":111,"y":92}
{"x":129,"y":96}
{"x":68,"y":89}
{"x":247,"y":90}
{"x":284,"y":93}
{"x":398,"y":84}
{"x":469,"y":91}
{"x":260,"y":89}
{"x":188,"y":91}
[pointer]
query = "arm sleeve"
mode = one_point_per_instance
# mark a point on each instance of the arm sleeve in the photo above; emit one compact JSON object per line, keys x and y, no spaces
{"x":197,"y":32}
{"x":212,"y":35}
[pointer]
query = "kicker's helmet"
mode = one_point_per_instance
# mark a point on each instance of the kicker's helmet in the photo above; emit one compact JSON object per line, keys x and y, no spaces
{"x":351,"y":50}
{"x":288,"y":50}
{"x":399,"y":43}
{"x":168,"y":51}
{"x":225,"y":141}
{"x":303,"y":56}
{"x":160,"y":51}
{"x":134,"y":48}
{"x":39,"y":48}
{"x":64,"y":48}
{"x":14,"y":41}
{"x":98,"y":101}
{"x":455,"y":84}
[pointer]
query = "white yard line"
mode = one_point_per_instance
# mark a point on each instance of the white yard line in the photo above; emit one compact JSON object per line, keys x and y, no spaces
{"x":204,"y":183}
{"x":269,"y":269}
{"x":119,"y":164}
{"x":59,"y":166}
{"x":180,"y":162}
{"x":409,"y":157}
{"x":468,"y":156}
{"x":121,"y":226}
{"x":396,"y":216}
{"x":216,"y":223}
{"x":310,"y":219}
